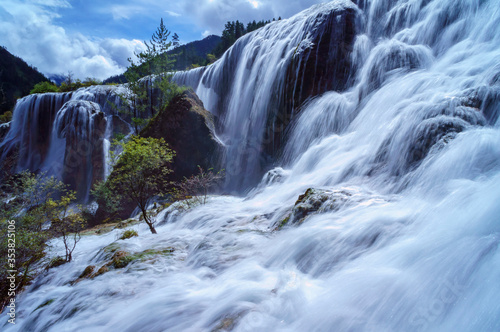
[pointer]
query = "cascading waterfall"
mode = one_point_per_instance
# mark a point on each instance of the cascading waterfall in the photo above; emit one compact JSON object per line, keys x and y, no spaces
{"x":265,"y":76}
{"x":383,"y":214}
{"x":31,"y":128}
{"x":57,"y":133}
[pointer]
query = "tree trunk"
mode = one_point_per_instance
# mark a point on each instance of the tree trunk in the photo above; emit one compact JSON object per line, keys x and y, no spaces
{"x":146,"y":219}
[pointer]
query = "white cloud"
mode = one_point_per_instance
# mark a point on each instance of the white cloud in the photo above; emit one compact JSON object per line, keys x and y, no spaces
{"x":121,"y":49}
{"x":51,"y":3}
{"x":29,"y":32}
{"x":171,"y":13}
{"x":120,"y":12}
{"x":212,"y":15}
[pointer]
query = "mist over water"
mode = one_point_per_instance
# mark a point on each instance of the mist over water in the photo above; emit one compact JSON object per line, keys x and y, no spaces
{"x":406,"y":158}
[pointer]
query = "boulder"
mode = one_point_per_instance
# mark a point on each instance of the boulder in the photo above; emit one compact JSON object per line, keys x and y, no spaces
{"x":188,"y":128}
{"x":317,"y":200}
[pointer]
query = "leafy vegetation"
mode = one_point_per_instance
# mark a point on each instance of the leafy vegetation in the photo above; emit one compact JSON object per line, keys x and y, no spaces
{"x":139,"y":175}
{"x":67,"y":225}
{"x":69,"y":84}
{"x":44,"y":87}
{"x":6,"y":117}
{"x":29,"y":205}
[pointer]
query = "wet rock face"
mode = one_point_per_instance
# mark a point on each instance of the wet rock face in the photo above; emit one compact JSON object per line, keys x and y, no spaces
{"x":323,"y":63}
{"x":263,"y":80}
{"x":83,"y":126}
{"x":439,"y":124}
{"x":120,"y":126}
{"x":318,"y":65}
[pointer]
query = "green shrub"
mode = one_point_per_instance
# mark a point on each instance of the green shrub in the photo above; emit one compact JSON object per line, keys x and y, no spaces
{"x":6,"y":117}
{"x":43,"y":87}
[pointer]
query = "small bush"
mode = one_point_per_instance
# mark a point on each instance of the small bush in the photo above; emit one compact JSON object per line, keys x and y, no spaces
{"x":43,"y":87}
{"x":196,"y":187}
{"x":6,"y":117}
{"x":128,"y":234}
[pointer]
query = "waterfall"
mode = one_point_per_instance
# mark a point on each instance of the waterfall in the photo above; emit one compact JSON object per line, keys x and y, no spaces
{"x":382,"y":211}
{"x":262,"y":80}
{"x":65,"y":134}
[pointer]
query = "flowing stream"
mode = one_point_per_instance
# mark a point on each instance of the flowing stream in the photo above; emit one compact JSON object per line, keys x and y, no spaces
{"x":400,"y":231}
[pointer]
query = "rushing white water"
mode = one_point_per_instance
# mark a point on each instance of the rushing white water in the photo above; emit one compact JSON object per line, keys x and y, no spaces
{"x":405,"y":232}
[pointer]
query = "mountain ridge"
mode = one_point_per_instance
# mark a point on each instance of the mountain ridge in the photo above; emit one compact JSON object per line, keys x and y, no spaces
{"x":17,"y":78}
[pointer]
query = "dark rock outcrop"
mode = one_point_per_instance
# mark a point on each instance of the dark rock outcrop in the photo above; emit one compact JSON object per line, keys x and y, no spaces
{"x":188,"y":128}
{"x":321,"y":63}
{"x":120,"y":126}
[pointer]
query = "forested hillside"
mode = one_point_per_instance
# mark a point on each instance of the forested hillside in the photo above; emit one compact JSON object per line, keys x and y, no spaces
{"x":17,"y":78}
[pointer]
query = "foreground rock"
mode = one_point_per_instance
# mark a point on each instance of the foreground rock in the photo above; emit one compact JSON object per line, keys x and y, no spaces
{"x":315,"y":201}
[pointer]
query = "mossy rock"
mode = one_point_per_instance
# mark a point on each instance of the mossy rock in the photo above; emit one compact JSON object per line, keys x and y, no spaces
{"x":109,"y":225}
{"x":121,"y":259}
{"x":154,"y":252}
{"x":87,"y":272}
{"x":55,"y":262}
{"x":227,"y":324}
{"x":101,"y":271}
{"x":128,"y":234}
{"x":124,"y":258}
{"x":118,"y":258}
{"x":314,"y":201}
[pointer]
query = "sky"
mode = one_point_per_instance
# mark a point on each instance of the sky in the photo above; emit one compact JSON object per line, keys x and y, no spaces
{"x":94,"y":38}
